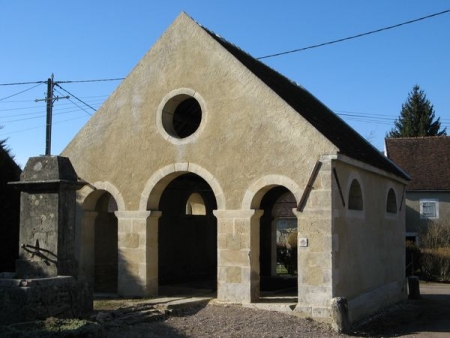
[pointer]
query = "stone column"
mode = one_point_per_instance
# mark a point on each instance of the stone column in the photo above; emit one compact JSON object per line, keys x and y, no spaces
{"x":137,"y":269}
{"x":315,"y":249}
{"x":238,"y":255}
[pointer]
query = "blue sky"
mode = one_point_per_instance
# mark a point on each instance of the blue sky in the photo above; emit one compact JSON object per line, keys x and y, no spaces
{"x":364,"y":80}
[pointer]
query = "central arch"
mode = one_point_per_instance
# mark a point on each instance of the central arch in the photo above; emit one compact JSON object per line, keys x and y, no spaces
{"x":187,"y":241}
{"x":182,"y":245}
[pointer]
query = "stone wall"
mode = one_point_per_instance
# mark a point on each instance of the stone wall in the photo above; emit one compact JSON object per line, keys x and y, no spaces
{"x":24,"y":300}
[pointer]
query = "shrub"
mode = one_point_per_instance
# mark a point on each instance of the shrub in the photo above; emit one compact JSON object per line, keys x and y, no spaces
{"x":435,"y":251}
{"x":435,"y":263}
{"x":287,"y":253}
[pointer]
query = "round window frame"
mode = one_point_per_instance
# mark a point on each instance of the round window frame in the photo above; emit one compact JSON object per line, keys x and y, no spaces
{"x":168,"y":106}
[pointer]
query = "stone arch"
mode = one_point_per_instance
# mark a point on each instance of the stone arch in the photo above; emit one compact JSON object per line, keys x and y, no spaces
{"x":156,"y":184}
{"x":263,"y":195}
{"x":98,"y":235}
{"x":256,"y":191}
{"x":195,"y":205}
{"x":87,"y":198}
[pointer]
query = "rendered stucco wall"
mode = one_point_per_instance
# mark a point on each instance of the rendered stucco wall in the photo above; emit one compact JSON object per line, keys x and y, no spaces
{"x":121,"y":144}
{"x":368,"y":245}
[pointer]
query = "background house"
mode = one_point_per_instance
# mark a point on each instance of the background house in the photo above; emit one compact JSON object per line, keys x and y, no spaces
{"x":427,"y":161}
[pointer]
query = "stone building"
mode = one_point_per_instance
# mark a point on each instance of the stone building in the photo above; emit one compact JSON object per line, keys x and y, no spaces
{"x":187,"y":160}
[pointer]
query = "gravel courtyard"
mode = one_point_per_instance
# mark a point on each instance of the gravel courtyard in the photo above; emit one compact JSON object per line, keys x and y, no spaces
{"x":426,"y":317}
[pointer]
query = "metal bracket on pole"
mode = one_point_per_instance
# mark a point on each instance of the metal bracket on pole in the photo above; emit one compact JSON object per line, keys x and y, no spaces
{"x":50,"y":99}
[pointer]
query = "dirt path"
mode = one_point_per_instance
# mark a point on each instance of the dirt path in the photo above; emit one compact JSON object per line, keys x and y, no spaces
{"x":434,"y":319}
{"x":428,"y":316}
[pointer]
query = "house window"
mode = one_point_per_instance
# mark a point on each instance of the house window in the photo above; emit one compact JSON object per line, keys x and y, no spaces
{"x":391,"y":203}
{"x":429,"y":209}
{"x":355,"y":198}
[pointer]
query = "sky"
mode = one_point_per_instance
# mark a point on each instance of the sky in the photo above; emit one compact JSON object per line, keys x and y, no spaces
{"x":364,"y":80}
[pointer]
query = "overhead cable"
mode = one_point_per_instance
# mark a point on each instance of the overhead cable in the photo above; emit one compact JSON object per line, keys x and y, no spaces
{"x":354,"y":36}
{"x":77,"y":104}
{"x":101,"y":80}
{"x":57,"y":84}
{"x":23,"y":91}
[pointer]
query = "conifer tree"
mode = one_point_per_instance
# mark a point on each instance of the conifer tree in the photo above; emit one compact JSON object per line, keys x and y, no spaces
{"x":417,"y":118}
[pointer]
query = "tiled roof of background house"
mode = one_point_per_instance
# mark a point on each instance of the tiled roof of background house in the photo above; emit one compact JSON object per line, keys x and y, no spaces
{"x":425,"y":159}
{"x":349,"y":142}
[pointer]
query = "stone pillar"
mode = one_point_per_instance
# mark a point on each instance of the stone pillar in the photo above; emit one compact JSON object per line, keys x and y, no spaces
{"x":315,"y":249}
{"x":238,"y":255}
{"x":47,"y":218}
{"x":138,"y":252}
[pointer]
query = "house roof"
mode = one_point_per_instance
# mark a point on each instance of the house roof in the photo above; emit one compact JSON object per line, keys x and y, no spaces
{"x":346,"y":139}
{"x":426,"y":159}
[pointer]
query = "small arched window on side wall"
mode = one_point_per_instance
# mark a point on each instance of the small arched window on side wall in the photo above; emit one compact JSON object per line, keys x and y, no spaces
{"x":355,"y":198}
{"x":195,"y":205}
{"x":391,"y":203}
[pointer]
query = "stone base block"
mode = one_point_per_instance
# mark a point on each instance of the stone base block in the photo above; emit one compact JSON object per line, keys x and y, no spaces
{"x":23,"y":300}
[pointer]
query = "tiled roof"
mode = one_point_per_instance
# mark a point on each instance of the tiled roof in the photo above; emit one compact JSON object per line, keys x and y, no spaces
{"x":349,"y":142}
{"x":425,"y":159}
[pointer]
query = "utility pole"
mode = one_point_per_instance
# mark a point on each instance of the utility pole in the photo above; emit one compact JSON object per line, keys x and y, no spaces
{"x":50,"y":99}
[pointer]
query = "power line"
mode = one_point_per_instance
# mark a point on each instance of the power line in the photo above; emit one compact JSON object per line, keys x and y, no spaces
{"x":81,"y":81}
{"x":21,"y":83}
{"x":101,"y":80}
{"x":23,"y":91}
{"x":57,"y":84}
{"x":75,"y":104}
{"x":354,"y":36}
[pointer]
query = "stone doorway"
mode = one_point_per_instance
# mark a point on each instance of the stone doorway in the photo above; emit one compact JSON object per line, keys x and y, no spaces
{"x":187,"y":236}
{"x":278,"y":243}
{"x":99,"y":247}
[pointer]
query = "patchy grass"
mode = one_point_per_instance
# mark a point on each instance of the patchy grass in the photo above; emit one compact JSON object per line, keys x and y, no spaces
{"x":53,"y":328}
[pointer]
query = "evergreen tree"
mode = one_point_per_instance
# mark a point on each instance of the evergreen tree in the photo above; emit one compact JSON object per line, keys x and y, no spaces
{"x":417,"y":118}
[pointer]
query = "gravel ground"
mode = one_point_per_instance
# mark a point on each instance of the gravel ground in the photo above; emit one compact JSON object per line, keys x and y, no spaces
{"x":425,"y":317}
{"x":225,"y":321}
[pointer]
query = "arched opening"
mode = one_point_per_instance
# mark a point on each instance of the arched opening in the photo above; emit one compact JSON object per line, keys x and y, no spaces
{"x":99,"y":262}
{"x":195,"y":205}
{"x":355,"y":198}
{"x":187,"y":242}
{"x":391,"y":203}
{"x":278,"y":242}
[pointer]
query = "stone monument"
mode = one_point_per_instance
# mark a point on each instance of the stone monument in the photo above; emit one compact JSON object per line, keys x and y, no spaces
{"x":45,"y":282}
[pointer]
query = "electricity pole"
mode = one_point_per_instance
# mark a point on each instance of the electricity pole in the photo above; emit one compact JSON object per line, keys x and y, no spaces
{"x":50,"y":99}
